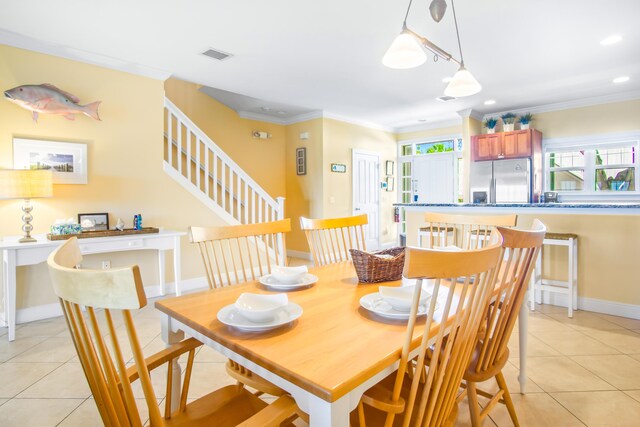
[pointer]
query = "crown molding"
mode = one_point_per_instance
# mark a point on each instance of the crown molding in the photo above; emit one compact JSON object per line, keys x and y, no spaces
{"x":470,"y":112}
{"x":567,"y":105}
{"x":429,"y":126}
{"x":35,"y":45}
{"x":260,"y":117}
{"x":304,"y":117}
{"x":357,"y":122}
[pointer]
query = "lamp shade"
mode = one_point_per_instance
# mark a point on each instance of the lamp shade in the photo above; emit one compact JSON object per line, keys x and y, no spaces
{"x":25,"y":183}
{"x":462,"y":84}
{"x":404,"y":52}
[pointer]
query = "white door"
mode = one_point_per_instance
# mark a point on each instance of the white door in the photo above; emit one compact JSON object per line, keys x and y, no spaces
{"x":433,"y":176}
{"x":366,"y":193}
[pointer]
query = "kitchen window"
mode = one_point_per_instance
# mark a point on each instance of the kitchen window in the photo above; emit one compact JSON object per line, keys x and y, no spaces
{"x":598,"y":169}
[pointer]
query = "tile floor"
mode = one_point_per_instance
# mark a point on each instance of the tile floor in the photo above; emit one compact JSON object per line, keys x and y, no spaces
{"x":582,"y":371}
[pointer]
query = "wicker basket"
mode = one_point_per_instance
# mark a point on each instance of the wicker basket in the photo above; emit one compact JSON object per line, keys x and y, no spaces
{"x":372,"y":269}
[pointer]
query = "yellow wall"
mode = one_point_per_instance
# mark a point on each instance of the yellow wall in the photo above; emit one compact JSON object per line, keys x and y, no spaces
{"x":234,"y":135}
{"x":125,"y":154}
{"x":607,"y":251}
{"x":304,"y":192}
{"x":340,"y":139}
{"x":593,"y":120}
{"x":430,"y":133}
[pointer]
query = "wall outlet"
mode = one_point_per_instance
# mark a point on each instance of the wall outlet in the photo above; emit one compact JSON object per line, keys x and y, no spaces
{"x":106,"y":265}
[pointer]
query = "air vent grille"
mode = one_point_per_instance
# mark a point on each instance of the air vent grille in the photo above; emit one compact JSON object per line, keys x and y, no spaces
{"x":446,"y":98}
{"x":217,"y":54}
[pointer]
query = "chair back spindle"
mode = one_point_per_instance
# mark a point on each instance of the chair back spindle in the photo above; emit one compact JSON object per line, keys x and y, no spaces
{"x":239,"y":253}
{"x":330,"y":239}
{"x":467,"y":232}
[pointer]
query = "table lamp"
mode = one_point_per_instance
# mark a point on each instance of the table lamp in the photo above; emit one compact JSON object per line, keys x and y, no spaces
{"x":26,"y":184}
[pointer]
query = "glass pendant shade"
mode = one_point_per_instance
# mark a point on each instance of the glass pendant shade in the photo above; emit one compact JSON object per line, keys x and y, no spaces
{"x":462,"y":84}
{"x":404,"y":52}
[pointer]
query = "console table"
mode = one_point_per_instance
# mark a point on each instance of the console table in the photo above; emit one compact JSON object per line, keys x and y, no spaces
{"x":15,"y":254}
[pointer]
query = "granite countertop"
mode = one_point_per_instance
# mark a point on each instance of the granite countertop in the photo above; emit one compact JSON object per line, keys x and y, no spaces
{"x":611,"y":205}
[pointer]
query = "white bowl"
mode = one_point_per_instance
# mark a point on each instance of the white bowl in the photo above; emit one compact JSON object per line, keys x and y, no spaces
{"x":260,"y":308}
{"x":400,"y":298}
{"x":289,"y":275}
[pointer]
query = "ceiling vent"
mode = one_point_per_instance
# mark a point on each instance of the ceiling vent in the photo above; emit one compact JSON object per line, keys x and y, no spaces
{"x":446,"y":98}
{"x":216,"y":54}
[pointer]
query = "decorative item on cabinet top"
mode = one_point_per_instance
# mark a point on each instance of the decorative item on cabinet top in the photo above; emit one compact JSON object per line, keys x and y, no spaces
{"x":491,"y":124}
{"x":525,"y":121}
{"x":508,"y":122}
{"x":48,"y":99}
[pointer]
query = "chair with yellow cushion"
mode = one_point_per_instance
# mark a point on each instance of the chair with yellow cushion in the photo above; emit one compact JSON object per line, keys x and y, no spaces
{"x":105,"y":294}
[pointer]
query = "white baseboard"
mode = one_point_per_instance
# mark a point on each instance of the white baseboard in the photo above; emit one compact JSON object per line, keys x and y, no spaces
{"x":299,"y":254}
{"x":47,"y":311}
{"x":591,"y":304}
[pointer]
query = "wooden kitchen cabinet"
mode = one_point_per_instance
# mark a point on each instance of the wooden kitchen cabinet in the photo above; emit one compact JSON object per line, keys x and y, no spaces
{"x":506,"y":145}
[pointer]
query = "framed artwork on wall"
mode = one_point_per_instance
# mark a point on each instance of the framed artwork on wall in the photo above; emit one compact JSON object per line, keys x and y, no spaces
{"x":67,"y":160}
{"x":389,"y":167}
{"x":390,"y":183}
{"x":93,"y":221}
{"x":301,"y":161}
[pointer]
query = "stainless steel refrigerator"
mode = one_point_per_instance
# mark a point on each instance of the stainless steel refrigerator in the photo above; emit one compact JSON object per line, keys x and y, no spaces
{"x":501,"y":181}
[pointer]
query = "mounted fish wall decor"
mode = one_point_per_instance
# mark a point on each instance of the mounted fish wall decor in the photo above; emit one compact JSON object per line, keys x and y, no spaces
{"x":48,"y":99}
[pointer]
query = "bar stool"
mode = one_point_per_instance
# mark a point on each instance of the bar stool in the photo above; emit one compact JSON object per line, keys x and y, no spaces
{"x":568,"y":287}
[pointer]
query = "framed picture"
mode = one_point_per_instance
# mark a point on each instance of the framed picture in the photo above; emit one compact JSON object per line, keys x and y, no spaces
{"x":67,"y":160}
{"x":93,"y":221}
{"x":389,"y":167}
{"x":337,"y":167}
{"x":301,"y":161}
{"x":390,"y":183}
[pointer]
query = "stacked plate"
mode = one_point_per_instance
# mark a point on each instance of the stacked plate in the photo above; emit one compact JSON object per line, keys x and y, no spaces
{"x":288,"y":278}
{"x":257,"y":312}
{"x":395,"y":302}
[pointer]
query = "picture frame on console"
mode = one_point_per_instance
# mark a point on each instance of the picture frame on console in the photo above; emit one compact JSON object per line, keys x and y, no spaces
{"x":93,"y":221}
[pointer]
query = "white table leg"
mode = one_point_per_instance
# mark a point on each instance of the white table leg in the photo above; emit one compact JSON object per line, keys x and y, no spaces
{"x":161,"y":273}
{"x":176,"y":264}
{"x":326,"y":414}
{"x":170,"y":337}
{"x":9,"y":273}
{"x":523,"y":326}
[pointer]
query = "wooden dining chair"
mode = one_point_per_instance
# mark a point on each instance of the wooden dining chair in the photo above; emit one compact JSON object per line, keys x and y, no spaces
{"x":106,"y":293}
{"x":520,"y":251}
{"x":236,"y":254}
{"x":330,"y":239}
{"x":463,"y":231}
{"x":239,"y":253}
{"x":415,"y":396}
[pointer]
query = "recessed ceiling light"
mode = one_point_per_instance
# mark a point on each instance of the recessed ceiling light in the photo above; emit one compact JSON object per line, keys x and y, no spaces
{"x":621,"y":79}
{"x":611,"y":40}
{"x":282,"y":112}
{"x":422,"y":120}
{"x":265,"y":108}
{"x":447,"y":79}
{"x":489,"y":102}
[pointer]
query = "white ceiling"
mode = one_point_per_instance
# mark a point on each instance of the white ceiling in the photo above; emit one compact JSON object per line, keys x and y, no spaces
{"x":326,"y":55}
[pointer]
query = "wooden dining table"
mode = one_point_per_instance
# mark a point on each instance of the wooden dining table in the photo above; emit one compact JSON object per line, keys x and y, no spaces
{"x":325,"y":359}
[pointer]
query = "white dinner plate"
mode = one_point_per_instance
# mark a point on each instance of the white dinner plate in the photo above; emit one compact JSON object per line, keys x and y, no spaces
{"x":376,"y":304}
{"x":306,"y":280}
{"x":230,"y":316}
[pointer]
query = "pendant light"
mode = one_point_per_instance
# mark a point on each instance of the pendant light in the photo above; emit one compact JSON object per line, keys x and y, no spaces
{"x":407,"y":51}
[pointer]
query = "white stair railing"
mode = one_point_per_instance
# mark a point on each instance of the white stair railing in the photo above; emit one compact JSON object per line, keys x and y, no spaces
{"x":199,"y":165}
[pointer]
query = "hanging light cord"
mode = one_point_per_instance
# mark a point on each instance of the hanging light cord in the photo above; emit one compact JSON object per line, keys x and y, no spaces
{"x":455,"y":21}
{"x":406,"y":15}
